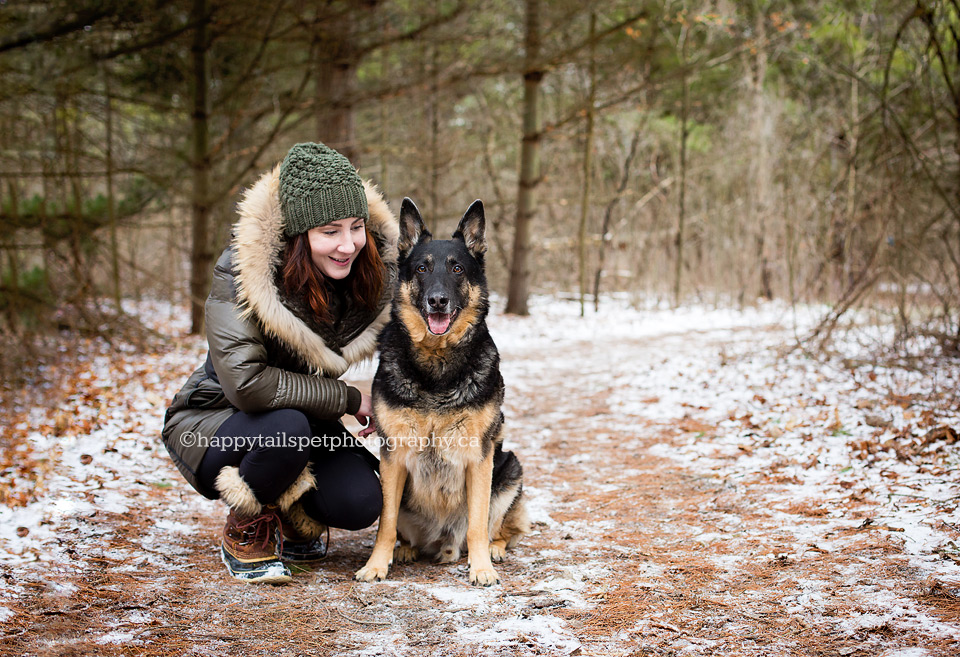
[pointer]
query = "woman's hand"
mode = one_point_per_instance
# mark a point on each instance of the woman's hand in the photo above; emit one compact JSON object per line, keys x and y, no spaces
{"x":365,"y":415}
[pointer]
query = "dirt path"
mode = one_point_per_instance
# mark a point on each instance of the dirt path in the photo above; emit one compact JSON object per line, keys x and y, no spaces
{"x":677,"y":562}
{"x":632,"y":554}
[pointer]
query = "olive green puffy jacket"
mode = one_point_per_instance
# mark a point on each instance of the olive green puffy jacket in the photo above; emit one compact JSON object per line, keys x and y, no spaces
{"x":266,"y":351}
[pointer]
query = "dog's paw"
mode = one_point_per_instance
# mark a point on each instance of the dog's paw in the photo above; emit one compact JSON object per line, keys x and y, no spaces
{"x":405,"y":554}
{"x":484,"y":577}
{"x":371,"y":573}
{"x":448,"y":554}
{"x":497,"y":553}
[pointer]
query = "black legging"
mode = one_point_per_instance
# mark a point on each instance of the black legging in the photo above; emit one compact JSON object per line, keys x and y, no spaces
{"x":348,"y":490}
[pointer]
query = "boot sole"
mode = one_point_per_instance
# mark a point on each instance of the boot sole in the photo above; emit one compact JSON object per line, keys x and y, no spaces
{"x":252,"y":578}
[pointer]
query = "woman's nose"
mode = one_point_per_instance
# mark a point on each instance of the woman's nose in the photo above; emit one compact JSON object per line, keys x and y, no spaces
{"x":346,"y":244}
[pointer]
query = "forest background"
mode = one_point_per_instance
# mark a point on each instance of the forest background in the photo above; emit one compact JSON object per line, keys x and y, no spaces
{"x":717,"y":151}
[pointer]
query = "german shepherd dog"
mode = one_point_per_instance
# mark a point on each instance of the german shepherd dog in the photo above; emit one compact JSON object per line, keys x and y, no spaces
{"x":437,"y":395}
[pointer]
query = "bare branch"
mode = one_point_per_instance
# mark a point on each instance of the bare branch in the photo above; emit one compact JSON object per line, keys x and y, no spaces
{"x":55,"y":27}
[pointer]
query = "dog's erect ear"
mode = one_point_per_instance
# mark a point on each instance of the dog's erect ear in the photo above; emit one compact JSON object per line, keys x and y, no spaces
{"x":412,"y":230}
{"x":471,"y":229}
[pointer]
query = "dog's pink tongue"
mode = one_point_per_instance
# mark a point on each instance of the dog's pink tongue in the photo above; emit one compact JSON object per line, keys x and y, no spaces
{"x":438,"y":322}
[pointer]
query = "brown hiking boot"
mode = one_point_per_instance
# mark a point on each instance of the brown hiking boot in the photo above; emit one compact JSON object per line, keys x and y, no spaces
{"x":250,"y":549}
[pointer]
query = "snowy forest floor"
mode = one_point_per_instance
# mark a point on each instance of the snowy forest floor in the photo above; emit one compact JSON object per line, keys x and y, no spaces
{"x":695,"y":486}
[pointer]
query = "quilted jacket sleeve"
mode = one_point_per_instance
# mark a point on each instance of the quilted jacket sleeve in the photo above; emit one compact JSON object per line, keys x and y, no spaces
{"x":239,"y":357}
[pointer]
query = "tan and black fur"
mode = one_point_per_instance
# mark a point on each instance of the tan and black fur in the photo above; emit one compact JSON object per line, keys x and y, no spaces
{"x":437,"y":397}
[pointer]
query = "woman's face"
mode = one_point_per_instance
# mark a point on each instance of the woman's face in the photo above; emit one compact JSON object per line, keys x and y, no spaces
{"x":334,"y":247}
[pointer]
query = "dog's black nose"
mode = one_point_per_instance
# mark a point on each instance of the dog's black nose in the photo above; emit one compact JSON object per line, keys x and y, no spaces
{"x":438,"y":303}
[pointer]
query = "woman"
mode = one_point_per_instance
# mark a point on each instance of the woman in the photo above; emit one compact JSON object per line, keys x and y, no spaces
{"x":300,"y":295}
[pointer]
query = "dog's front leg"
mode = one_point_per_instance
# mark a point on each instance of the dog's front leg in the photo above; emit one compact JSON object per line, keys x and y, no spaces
{"x":479,"y":477}
{"x":393,"y":475}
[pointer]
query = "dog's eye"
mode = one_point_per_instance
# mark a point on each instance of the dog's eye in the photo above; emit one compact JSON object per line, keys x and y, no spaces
{"x":422,"y":269}
{"x":457,"y":269}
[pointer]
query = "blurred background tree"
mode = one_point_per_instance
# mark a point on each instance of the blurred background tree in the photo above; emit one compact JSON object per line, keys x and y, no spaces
{"x":682,"y":150}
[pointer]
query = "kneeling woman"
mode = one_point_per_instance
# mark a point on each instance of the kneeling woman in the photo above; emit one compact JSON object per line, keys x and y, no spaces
{"x":301,"y":293}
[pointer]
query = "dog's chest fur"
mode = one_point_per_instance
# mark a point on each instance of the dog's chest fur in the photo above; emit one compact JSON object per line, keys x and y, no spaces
{"x":435,"y":447}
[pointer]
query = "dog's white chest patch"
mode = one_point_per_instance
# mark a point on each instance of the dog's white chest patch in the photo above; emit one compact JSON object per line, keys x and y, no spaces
{"x":436,"y":483}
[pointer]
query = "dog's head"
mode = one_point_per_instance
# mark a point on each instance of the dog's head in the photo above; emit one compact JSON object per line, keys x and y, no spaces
{"x":442,"y":282}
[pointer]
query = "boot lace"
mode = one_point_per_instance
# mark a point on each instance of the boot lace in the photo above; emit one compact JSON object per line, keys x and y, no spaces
{"x":263,"y":528}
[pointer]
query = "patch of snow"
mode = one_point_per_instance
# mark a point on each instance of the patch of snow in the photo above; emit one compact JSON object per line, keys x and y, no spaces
{"x":63,"y":588}
{"x":538,"y":503}
{"x":542,"y":632}
{"x":116,"y":637}
{"x":459,"y":597}
{"x":568,"y":580}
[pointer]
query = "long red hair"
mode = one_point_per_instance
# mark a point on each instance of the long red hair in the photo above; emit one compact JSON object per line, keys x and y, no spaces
{"x":302,"y":277}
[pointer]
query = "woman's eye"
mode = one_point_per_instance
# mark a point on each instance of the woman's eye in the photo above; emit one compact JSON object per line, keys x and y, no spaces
{"x":330,"y":233}
{"x":356,"y":228}
{"x":422,"y":269}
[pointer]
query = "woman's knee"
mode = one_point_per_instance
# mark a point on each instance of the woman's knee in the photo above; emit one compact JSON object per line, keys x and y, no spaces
{"x":366,"y":507}
{"x":251,"y":430}
{"x":351,"y":507}
{"x":278,"y":444}
{"x":287,"y":423}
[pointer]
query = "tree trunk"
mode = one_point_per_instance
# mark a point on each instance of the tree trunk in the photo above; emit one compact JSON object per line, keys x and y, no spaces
{"x":383,"y":148}
{"x":383,"y":151}
{"x":956,"y":146}
{"x":494,"y":217}
{"x":587,"y":165}
{"x":337,"y":56}
{"x":433,"y":216}
{"x":684,"y":134}
{"x":761,"y":177}
{"x":518,"y":288}
{"x":200,"y":256}
{"x":335,"y":124}
{"x":608,"y":218}
{"x":111,"y":200}
{"x":853,"y":140}
{"x":13,"y":325}
{"x":790,"y":219}
{"x":79,"y":231}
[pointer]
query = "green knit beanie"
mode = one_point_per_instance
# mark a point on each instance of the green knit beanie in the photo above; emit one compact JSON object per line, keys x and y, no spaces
{"x":318,"y":185}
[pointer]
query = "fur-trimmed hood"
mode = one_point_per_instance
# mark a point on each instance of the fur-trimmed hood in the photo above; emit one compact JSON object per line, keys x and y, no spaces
{"x":258,"y":243}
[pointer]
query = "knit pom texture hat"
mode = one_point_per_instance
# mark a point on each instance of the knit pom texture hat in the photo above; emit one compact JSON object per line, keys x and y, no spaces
{"x":318,"y":185}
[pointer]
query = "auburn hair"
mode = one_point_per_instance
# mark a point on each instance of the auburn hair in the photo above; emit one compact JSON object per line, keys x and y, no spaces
{"x":301,"y":277}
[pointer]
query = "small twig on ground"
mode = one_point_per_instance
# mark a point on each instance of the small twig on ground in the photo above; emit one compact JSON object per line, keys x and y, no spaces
{"x":666,"y":626}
